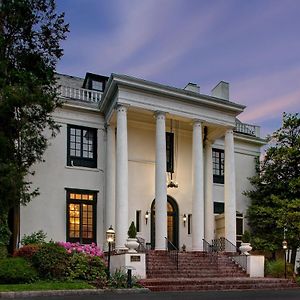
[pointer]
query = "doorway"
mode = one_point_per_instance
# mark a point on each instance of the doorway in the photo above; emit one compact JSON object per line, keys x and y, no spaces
{"x":172,"y":222}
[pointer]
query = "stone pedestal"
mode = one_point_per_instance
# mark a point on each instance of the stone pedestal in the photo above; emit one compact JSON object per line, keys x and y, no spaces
{"x":136,"y":262}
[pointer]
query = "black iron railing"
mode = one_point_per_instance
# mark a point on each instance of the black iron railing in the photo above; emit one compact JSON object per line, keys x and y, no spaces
{"x":241,"y":260}
{"x":211,"y":251}
{"x":172,"y":252}
{"x":223,"y":245}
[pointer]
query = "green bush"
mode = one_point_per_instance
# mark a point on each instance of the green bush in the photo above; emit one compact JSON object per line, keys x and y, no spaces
{"x":3,"y":251}
{"x":86,"y":267}
{"x":132,"y":231}
{"x":276,"y":268}
{"x":51,"y":261}
{"x":17,"y":270}
{"x":118,"y":280}
{"x":37,"y":237}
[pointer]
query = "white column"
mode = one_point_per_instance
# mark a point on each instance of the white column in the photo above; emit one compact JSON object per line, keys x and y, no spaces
{"x":198,"y":193}
{"x":160,"y":183}
{"x":229,"y":188}
{"x":121,"y":179}
{"x":209,"y":218}
{"x":110,"y":177}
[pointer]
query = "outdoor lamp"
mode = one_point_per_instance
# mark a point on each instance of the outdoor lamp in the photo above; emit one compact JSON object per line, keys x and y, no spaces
{"x":147,"y":216}
{"x":284,"y":247}
{"x":110,"y":238}
{"x":184,"y":219}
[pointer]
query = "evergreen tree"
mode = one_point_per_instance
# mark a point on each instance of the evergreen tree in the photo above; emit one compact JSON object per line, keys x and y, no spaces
{"x":30,"y":35}
{"x":275,"y":205}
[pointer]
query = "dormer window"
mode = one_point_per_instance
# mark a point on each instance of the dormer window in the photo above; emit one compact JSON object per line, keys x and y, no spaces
{"x":94,"y":82}
{"x":97,"y":85}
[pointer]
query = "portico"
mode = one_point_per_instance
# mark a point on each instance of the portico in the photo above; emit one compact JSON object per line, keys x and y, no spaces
{"x":201,"y":121}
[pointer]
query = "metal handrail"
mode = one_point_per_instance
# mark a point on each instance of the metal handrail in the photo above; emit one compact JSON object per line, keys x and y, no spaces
{"x":173,"y":253}
{"x":241,"y":260}
{"x":224,"y":245}
{"x":213,"y":253}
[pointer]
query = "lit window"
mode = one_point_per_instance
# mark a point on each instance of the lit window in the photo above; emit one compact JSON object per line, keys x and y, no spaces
{"x":81,"y":216}
{"x":218,"y":165}
{"x":82,"y":146}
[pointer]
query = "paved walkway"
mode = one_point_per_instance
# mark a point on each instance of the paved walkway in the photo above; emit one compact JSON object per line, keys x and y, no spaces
{"x":293,"y":294}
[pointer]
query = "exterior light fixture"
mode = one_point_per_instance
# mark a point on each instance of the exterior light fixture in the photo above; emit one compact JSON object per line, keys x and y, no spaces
{"x":284,"y":247}
{"x":110,"y":238}
{"x":184,"y":219}
{"x":147,"y":215}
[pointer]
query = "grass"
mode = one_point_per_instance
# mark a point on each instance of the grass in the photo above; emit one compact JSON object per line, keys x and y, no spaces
{"x":46,"y":285}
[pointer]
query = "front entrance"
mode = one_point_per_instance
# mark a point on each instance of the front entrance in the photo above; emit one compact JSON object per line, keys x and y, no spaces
{"x":172,"y":222}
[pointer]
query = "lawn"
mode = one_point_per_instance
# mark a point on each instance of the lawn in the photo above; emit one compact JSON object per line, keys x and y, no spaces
{"x":46,"y":285}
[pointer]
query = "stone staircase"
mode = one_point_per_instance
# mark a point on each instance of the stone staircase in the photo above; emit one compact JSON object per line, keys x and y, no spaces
{"x":201,"y":271}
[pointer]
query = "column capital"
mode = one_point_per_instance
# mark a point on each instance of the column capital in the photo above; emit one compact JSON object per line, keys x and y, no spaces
{"x":197,"y":122}
{"x":121,"y":107}
{"x":160,"y":114}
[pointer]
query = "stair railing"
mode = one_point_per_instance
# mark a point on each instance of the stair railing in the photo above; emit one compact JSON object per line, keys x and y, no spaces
{"x":212,"y":252}
{"x":241,"y":260}
{"x":224,"y":245}
{"x":172,"y":252}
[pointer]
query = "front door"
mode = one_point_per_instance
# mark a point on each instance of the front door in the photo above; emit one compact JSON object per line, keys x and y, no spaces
{"x":172,"y":222}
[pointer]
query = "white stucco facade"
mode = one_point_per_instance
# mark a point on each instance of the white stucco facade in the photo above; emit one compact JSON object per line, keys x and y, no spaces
{"x":131,"y":119}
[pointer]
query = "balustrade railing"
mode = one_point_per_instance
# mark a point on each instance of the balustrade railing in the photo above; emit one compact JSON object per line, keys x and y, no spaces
{"x":79,"y":94}
{"x":247,"y":129}
{"x":172,"y":252}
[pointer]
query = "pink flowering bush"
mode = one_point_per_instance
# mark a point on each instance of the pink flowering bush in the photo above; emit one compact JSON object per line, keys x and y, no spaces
{"x":89,"y":249}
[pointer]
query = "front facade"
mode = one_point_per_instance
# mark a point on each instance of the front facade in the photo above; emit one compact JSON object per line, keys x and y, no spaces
{"x":174,"y":161}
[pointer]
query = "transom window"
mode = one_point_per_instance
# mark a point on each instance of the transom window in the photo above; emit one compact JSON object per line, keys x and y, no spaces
{"x":81,"y":216}
{"x":218,"y":165}
{"x":82,"y":146}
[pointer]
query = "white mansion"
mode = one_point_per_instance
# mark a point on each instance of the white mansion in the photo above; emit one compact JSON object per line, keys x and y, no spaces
{"x":174,"y":161}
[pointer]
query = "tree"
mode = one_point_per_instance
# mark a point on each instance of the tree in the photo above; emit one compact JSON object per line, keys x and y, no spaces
{"x":30,"y":35}
{"x":275,"y":205}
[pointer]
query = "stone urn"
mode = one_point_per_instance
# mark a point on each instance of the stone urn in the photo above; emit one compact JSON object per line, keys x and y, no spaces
{"x":132,"y":244}
{"x":245,"y":248}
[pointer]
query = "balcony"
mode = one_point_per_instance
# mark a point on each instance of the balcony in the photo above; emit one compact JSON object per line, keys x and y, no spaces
{"x":79,"y":94}
{"x":247,"y":129}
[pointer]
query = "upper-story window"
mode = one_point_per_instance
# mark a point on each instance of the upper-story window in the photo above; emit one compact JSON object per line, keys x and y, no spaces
{"x":170,"y":151}
{"x":97,"y":85}
{"x":82,"y":146}
{"x":218,"y":165}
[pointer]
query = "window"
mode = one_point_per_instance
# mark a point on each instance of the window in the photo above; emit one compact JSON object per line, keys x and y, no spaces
{"x":218,"y":207}
{"x":138,"y":220}
{"x":81,"y":216}
{"x":218,"y":165}
{"x":97,"y":85}
{"x":189,"y":223}
{"x":239,"y":228}
{"x":82,"y":146}
{"x":170,"y":151}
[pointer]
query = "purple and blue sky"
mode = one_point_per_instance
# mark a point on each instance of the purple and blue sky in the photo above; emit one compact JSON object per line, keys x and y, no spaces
{"x":254,"y":45}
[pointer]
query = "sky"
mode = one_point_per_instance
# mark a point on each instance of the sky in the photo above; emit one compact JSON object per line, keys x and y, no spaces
{"x":254,"y":45}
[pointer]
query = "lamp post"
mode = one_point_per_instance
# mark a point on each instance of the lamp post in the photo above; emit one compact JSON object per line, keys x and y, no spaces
{"x":284,"y":247}
{"x":110,"y":238}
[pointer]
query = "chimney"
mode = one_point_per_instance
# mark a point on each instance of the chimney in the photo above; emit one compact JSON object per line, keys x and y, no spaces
{"x":221,"y":90}
{"x":193,"y":87}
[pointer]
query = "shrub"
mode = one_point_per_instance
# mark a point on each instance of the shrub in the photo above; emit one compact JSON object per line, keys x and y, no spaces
{"x":132,"y":231}
{"x":17,"y":270}
{"x":37,"y":237}
{"x":3,"y":251}
{"x":85,"y":267}
{"x":118,"y":280}
{"x":51,"y":260}
{"x":90,"y":249}
{"x":276,"y":268}
{"x":26,"y":251}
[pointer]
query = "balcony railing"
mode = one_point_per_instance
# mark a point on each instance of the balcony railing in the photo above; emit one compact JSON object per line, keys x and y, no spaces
{"x":247,"y":129}
{"x":79,"y":94}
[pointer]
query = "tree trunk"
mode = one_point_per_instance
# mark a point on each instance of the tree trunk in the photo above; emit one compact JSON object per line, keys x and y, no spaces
{"x":293,"y":255}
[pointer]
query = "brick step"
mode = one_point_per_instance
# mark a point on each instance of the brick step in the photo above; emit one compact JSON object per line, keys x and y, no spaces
{"x":232,"y":275}
{"x":162,"y":284}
